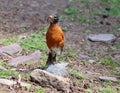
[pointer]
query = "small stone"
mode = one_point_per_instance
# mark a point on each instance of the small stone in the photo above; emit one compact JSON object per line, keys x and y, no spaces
{"x":10,"y":49}
{"x":108,"y":78}
{"x":101,"y":37}
{"x":104,"y":15}
{"x":34,"y":57}
{"x":45,"y":78}
{"x":91,"y":61}
{"x":84,"y":56}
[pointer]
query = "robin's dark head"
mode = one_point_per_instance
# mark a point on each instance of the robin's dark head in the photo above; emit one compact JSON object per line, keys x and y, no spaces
{"x":53,"y":19}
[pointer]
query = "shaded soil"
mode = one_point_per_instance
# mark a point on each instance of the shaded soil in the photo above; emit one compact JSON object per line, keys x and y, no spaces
{"x":21,"y":16}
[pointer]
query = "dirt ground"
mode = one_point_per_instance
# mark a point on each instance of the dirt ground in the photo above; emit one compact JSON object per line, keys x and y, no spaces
{"x":14,"y":14}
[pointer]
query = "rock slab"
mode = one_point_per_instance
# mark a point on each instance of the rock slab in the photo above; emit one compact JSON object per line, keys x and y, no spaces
{"x":108,"y":78}
{"x":101,"y":37}
{"x":45,"y":78}
{"x":59,"y":69}
{"x":34,"y":57}
{"x":11,"y":82}
{"x":10,"y":49}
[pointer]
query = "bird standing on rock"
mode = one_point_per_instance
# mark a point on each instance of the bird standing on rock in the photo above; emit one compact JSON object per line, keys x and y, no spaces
{"x":54,"y":38}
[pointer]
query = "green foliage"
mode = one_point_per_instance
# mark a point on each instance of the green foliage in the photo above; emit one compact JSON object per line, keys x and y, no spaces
{"x":114,"y":5}
{"x":76,"y":74}
{"x":62,"y":58}
{"x":87,"y":31}
{"x":107,"y":90}
{"x":28,"y":86}
{"x":42,"y":90}
{"x":107,"y":60}
{"x":8,"y":73}
{"x":70,"y":10}
{"x":9,"y":40}
{"x":43,"y":64}
{"x":87,"y":20}
{"x":71,"y":54}
{"x":1,"y":63}
{"x":115,"y":11}
{"x":34,"y":42}
{"x":88,"y":91}
{"x":117,"y":45}
{"x":65,"y":29}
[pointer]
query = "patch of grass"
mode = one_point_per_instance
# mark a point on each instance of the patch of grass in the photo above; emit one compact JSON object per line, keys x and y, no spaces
{"x":87,"y":20}
{"x":1,"y":63}
{"x":9,"y":40}
{"x":76,"y":74}
{"x":34,"y":42}
{"x":64,"y":29}
{"x":8,"y":73}
{"x":71,"y":54}
{"x":107,"y":60}
{"x":42,"y":90}
{"x":114,"y":7}
{"x":117,"y":45}
{"x":71,"y":12}
{"x":88,"y":91}
{"x":43,"y":64}
{"x":43,"y":29}
{"x":118,"y":28}
{"x":94,"y":53}
{"x":107,"y":90}
{"x":87,"y":31}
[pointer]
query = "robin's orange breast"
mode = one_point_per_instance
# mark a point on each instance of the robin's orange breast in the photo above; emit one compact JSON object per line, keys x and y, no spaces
{"x":54,"y":37}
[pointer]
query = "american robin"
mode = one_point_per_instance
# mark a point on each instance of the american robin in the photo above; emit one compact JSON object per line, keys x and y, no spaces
{"x":54,"y":38}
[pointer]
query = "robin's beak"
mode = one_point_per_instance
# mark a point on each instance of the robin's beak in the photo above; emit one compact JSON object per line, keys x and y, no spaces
{"x":50,"y":19}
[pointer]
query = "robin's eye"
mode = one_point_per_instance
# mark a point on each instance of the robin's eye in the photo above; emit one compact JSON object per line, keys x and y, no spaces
{"x":55,"y":17}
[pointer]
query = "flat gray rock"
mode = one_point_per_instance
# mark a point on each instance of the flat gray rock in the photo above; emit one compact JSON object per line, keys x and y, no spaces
{"x":10,"y":49}
{"x":11,"y":83}
{"x":45,"y":78}
{"x":34,"y":57}
{"x":101,"y":37}
{"x":108,"y":78}
{"x":59,"y":69}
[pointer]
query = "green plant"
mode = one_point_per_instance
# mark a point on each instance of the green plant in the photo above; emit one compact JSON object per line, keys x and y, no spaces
{"x":87,"y":31}
{"x":70,"y":10}
{"x":117,"y":45}
{"x":1,"y":63}
{"x":62,"y":58}
{"x":34,"y":42}
{"x":9,"y":40}
{"x":76,"y":74}
{"x":88,"y":91}
{"x":114,"y":7}
{"x":65,"y":29}
{"x":42,"y":90}
{"x":8,"y":73}
{"x":71,"y":54}
{"x":106,"y":60}
{"x":107,"y":90}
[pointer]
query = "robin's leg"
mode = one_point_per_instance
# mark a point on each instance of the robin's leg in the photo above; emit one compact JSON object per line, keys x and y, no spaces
{"x":50,"y":59}
{"x":54,"y":56}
